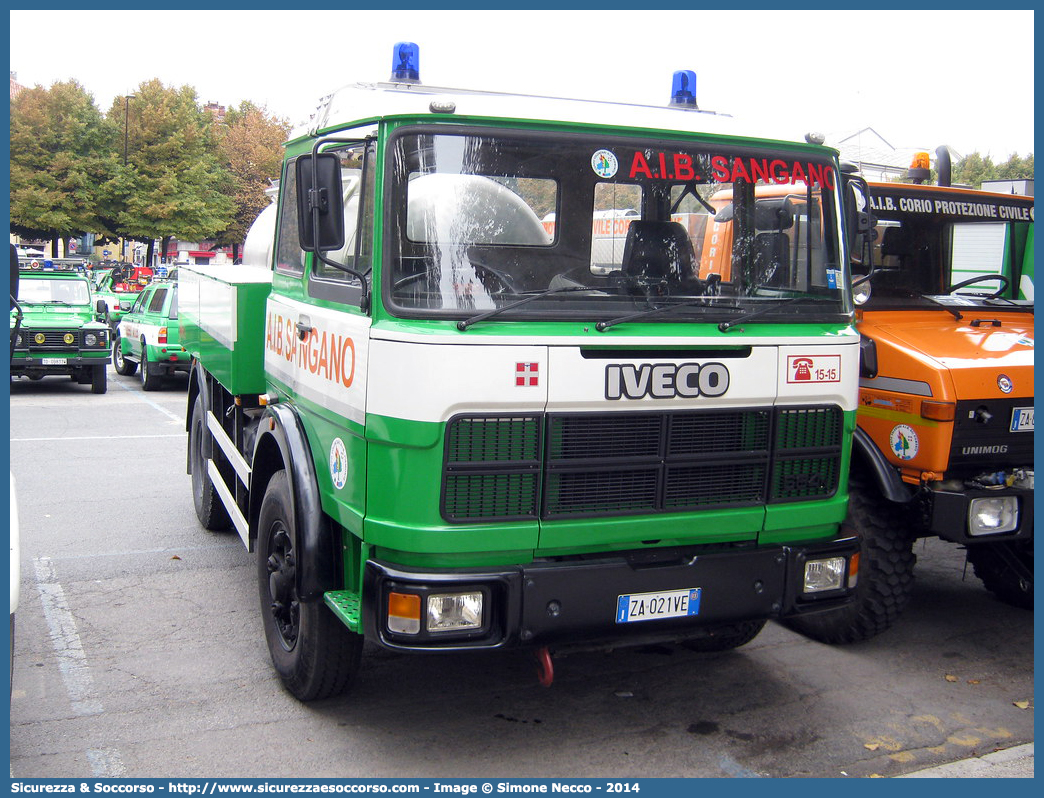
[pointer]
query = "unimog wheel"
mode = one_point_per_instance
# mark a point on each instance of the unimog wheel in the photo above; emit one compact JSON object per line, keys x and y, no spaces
{"x":726,"y":638}
{"x":886,"y":563}
{"x":123,"y":366}
{"x":1006,"y":570}
{"x":209,"y":509}
{"x":314,"y":654}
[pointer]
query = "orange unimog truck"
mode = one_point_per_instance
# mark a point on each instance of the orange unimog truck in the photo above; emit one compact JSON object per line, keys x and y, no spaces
{"x":944,"y":444}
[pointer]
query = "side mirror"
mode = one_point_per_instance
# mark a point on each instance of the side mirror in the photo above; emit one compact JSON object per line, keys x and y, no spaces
{"x":320,"y":217}
{"x":859,"y":222}
{"x":857,"y":208}
{"x":101,"y":308}
{"x":867,"y":357}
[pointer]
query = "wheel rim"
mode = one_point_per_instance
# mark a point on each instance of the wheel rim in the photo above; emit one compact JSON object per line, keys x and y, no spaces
{"x":117,"y":355}
{"x":282,"y":569}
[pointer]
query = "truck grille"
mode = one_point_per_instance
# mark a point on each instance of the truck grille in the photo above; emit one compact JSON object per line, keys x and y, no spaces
{"x":983,"y":445}
{"x":52,"y":339}
{"x":568,"y":465}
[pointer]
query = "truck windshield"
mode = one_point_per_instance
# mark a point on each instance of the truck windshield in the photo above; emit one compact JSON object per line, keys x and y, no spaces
{"x":964,"y":247}
{"x":58,"y":291}
{"x":599,"y":228}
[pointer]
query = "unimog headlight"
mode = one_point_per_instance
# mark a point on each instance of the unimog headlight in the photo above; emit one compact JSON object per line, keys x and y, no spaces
{"x":992,"y":516}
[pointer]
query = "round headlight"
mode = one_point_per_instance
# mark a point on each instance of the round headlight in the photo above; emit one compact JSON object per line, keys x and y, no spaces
{"x":69,"y":338}
{"x":90,"y":339}
{"x":39,"y":338}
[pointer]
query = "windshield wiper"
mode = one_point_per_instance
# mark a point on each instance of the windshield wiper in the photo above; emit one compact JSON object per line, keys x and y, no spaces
{"x":602,"y":326}
{"x":725,"y":326}
{"x":463,"y":324}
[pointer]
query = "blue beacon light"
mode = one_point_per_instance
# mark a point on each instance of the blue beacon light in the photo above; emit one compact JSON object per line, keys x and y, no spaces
{"x":683,"y":89}
{"x":405,"y":61}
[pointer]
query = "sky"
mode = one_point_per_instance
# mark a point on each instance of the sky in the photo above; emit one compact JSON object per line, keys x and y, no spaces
{"x":918,"y":78}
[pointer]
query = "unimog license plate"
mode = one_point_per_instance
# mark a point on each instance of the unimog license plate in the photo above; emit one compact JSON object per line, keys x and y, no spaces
{"x":1022,"y":419}
{"x":654,"y":606}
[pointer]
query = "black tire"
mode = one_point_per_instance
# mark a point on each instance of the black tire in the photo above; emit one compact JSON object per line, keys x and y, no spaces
{"x":209,"y":509}
{"x":886,"y":563}
{"x":314,"y":654}
{"x":726,"y":638}
{"x":150,"y":380}
{"x":119,"y":362}
{"x":99,"y":378}
{"x":1006,"y":570}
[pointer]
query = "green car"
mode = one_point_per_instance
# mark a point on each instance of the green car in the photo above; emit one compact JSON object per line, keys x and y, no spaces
{"x":119,"y":290}
{"x":148,"y":335}
{"x":58,"y":328}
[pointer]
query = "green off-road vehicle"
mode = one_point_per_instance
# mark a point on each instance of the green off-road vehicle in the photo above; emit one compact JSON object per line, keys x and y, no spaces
{"x":58,"y":328}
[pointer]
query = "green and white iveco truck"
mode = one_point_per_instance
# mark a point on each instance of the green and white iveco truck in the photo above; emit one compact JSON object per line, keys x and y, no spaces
{"x":458,"y":406}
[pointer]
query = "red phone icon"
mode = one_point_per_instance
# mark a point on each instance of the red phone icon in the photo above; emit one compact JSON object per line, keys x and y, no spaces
{"x":801,"y":366}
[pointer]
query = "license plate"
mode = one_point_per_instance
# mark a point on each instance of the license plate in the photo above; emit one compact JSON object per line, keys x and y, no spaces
{"x":53,"y":361}
{"x":654,"y":606}
{"x":1022,"y":419}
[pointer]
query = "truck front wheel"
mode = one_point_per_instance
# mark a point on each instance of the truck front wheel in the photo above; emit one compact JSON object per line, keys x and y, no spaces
{"x":315,"y":655}
{"x":1006,"y":570}
{"x":886,"y":562}
{"x":209,"y":509}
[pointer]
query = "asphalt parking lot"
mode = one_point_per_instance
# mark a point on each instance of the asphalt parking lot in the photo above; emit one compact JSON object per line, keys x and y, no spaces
{"x":139,"y":653}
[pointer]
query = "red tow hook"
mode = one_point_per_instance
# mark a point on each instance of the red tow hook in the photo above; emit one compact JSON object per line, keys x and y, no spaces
{"x":545,"y":669}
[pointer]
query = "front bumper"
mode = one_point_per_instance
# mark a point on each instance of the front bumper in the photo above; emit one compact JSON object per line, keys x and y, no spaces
{"x":575,"y":600}
{"x":35,"y":364}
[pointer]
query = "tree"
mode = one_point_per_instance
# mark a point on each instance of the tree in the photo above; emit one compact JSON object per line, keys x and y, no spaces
{"x":250,"y":147}
{"x":62,"y":159}
{"x":172,"y":184}
{"x":973,"y":169}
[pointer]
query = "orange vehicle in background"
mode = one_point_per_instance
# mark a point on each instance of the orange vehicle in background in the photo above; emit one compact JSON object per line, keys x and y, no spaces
{"x":944,"y":444}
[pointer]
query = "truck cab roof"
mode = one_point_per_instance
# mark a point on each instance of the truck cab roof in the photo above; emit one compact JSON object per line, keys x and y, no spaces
{"x":359,"y":103}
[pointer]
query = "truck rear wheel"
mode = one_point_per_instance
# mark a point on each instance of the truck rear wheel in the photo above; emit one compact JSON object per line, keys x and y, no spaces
{"x":886,"y":562}
{"x":209,"y":509}
{"x":315,"y":655}
{"x":1006,"y":570}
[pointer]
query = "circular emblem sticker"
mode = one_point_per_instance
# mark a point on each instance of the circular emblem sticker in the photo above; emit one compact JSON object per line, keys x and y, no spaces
{"x":1004,"y":383}
{"x":604,"y":164}
{"x":903,"y":441}
{"x":338,"y":463}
